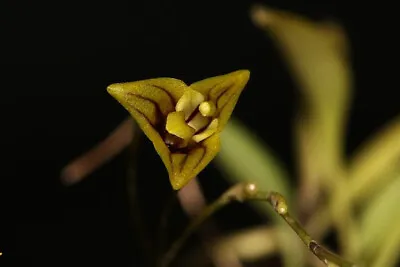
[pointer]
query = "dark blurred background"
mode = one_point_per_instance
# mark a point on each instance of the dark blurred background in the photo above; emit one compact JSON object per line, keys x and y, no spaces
{"x":59,"y":58}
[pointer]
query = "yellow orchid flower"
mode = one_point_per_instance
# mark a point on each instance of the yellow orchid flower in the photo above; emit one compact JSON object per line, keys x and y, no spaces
{"x":182,"y":121}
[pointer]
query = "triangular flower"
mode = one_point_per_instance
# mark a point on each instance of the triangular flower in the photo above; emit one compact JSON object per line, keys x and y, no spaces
{"x":182,"y":121}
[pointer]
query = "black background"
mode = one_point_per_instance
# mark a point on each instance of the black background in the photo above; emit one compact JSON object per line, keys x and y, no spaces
{"x":58,"y":59}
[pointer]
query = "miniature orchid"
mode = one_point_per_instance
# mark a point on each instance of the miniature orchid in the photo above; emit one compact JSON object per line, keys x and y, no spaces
{"x":182,"y":121}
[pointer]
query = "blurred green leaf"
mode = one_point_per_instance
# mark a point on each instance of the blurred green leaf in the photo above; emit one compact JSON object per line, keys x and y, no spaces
{"x":389,"y":253}
{"x":379,"y":222}
{"x":316,"y":54}
{"x":370,"y":169}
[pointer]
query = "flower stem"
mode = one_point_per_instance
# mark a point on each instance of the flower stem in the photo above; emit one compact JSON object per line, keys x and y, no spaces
{"x":246,"y":192}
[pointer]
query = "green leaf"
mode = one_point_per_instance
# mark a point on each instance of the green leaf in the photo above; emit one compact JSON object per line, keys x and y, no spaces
{"x":371,"y":166}
{"x":379,"y":222}
{"x":316,"y":55}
